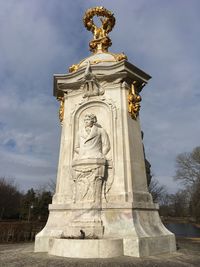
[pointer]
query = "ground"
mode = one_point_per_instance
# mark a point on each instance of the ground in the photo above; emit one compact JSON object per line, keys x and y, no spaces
{"x":21,"y":255}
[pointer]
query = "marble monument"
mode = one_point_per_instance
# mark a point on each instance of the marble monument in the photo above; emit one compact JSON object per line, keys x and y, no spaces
{"x":102,"y":207}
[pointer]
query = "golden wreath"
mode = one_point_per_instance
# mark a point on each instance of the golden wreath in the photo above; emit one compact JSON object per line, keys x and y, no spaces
{"x":107,"y":24}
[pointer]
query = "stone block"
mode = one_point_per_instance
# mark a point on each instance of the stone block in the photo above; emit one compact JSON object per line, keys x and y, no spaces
{"x":86,"y":248}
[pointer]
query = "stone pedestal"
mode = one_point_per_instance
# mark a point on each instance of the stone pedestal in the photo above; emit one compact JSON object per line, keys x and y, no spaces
{"x":87,"y":248}
{"x":101,"y":184}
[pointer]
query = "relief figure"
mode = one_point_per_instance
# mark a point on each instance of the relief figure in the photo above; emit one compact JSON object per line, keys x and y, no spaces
{"x":92,"y":145}
{"x":92,"y":141}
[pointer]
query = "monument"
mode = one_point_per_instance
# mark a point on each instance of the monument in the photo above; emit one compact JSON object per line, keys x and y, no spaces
{"x":102,"y":207}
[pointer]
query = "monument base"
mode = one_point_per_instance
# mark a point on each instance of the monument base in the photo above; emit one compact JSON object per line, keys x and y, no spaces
{"x":86,"y":248}
{"x":136,"y":226}
{"x":106,"y":248}
{"x":149,"y":246}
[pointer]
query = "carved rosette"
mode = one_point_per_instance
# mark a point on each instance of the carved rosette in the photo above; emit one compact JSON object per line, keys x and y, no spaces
{"x":134,"y":100}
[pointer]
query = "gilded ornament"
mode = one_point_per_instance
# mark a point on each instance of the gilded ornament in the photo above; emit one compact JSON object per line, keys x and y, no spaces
{"x":101,"y":40}
{"x":73,"y":68}
{"x":61,"y":109}
{"x":120,"y":57}
{"x":134,"y":100}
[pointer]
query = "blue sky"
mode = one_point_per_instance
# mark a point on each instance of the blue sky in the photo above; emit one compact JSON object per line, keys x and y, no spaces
{"x":40,"y":38}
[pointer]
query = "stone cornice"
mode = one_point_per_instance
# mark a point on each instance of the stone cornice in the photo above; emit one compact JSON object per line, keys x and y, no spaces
{"x":109,"y":73}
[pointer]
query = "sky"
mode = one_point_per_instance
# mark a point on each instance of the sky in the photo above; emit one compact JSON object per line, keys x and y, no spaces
{"x":40,"y":38}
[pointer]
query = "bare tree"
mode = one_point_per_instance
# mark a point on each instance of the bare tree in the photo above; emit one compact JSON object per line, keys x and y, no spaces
{"x":195,"y":201}
{"x":180,"y":202}
{"x":157,"y":190}
{"x":51,"y":185}
{"x":10,"y":198}
{"x":188,"y":167}
{"x":188,"y":173}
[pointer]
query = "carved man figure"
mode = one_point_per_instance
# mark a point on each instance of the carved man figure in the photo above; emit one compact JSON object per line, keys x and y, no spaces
{"x":92,"y":141}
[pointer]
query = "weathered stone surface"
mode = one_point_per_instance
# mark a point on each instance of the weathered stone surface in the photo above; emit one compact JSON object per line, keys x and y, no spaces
{"x":101,"y":181}
{"x":86,"y":248}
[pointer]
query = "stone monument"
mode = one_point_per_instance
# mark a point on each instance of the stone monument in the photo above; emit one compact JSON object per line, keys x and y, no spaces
{"x":102,"y":207}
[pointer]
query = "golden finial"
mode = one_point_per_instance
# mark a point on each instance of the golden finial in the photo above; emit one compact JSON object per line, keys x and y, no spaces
{"x":101,"y":40}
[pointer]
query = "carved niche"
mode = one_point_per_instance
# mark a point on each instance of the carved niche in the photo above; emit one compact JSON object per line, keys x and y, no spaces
{"x":92,"y":151}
